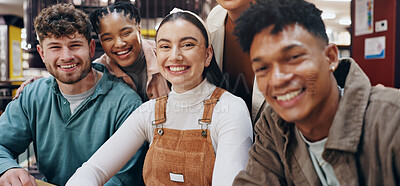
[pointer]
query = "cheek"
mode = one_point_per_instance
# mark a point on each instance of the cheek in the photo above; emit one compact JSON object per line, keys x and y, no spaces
{"x":262,"y":83}
{"x":106,"y":47}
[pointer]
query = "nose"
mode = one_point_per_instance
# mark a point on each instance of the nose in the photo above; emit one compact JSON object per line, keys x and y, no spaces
{"x":176,"y":54}
{"x":280,"y":77}
{"x":120,"y":42}
{"x":66,"y":55}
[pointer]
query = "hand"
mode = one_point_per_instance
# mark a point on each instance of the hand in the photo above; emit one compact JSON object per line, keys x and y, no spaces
{"x":17,"y":177}
{"x":21,"y":88}
{"x":382,"y":86}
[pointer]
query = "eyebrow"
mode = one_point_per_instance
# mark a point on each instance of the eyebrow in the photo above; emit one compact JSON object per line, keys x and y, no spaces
{"x":183,"y":39}
{"x":283,"y":50}
{"x":123,"y":29}
{"x":290,"y":47}
{"x":52,"y":43}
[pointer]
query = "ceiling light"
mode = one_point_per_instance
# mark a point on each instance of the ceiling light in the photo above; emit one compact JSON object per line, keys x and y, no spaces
{"x":103,"y":2}
{"x":328,"y":31}
{"x":345,"y":22}
{"x":328,"y":15}
{"x":77,"y":2}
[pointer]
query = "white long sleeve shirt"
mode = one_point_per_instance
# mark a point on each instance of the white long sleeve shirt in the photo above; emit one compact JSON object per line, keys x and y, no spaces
{"x":230,"y":129}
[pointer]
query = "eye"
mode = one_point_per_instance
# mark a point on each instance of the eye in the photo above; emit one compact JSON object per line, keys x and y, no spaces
{"x":126,"y":33}
{"x":296,"y":56}
{"x":164,"y":46}
{"x":261,"y":69}
{"x":75,"y":45}
{"x":106,"y":39}
{"x":187,"y":44}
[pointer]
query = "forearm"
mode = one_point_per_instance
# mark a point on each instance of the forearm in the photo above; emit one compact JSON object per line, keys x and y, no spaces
{"x":6,"y":160}
{"x":110,"y":157}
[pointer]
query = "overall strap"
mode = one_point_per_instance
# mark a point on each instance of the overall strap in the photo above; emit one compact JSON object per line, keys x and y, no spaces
{"x":209,"y":105}
{"x":160,"y":116}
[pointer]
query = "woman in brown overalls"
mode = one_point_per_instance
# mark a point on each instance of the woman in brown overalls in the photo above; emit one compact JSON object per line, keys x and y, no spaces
{"x":200,"y":134}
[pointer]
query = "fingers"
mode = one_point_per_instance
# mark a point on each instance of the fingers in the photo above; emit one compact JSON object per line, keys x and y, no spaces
{"x":22,"y":86}
{"x":17,"y":177}
{"x":27,"y":180}
{"x":33,"y":180}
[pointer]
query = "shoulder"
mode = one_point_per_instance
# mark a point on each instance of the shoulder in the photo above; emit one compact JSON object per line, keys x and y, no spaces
{"x":232,"y":110}
{"x":148,"y":47}
{"x":148,"y":43}
{"x":147,"y":107}
{"x":230,"y":99}
{"x":216,"y":17}
{"x":382,"y":117}
{"x":115,"y":88}
{"x":40,"y":87}
{"x":385,"y":96}
{"x":102,"y":59}
{"x":216,"y":12}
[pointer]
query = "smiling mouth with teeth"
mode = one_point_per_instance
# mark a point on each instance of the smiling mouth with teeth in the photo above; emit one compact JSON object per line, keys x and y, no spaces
{"x":123,"y":52}
{"x":289,"y":95}
{"x":68,"y":66}
{"x":178,"y":69}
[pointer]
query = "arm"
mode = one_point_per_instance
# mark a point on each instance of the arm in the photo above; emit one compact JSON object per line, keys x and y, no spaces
{"x":15,"y":137}
{"x":113,"y":154}
{"x":131,"y":173}
{"x":21,"y":88}
{"x":234,"y":137}
{"x":264,"y":166}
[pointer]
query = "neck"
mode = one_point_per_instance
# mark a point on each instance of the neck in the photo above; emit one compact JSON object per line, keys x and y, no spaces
{"x":317,"y":126}
{"x":82,"y":86}
{"x":182,"y":88}
{"x":234,"y":14}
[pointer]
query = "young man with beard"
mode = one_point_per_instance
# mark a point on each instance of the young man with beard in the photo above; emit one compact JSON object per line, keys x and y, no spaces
{"x":70,"y":115}
{"x":325,"y":125}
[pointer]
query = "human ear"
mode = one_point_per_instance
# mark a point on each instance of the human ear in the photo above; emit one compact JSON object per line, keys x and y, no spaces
{"x":92,"y":48}
{"x":139,"y":29}
{"x":209,"y":55}
{"x":40,"y":51}
{"x":331,"y":53}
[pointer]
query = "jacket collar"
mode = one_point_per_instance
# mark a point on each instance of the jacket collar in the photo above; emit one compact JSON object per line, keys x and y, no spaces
{"x":346,"y":129}
{"x":216,"y":21}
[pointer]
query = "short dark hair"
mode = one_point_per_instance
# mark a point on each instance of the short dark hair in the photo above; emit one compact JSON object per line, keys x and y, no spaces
{"x":126,"y":8}
{"x":61,"y":20}
{"x":212,"y":72}
{"x":279,"y":13}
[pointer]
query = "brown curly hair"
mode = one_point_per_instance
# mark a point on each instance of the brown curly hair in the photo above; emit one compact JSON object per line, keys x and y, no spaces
{"x":62,"y":20}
